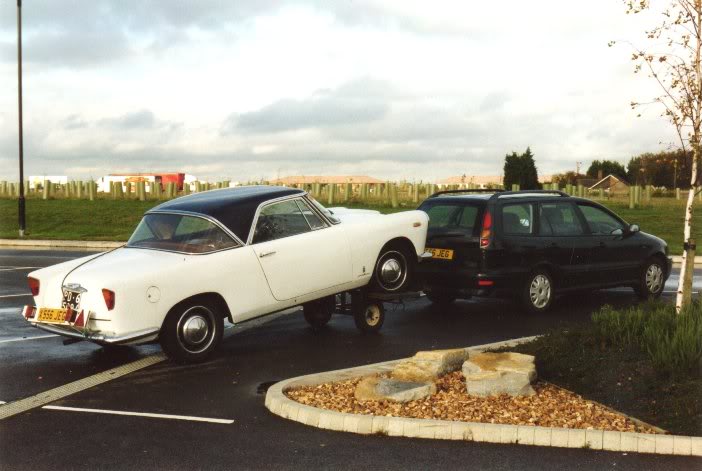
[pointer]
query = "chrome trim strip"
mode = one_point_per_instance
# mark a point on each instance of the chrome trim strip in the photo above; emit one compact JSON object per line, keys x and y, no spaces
{"x":424,"y":256}
{"x":98,"y":338}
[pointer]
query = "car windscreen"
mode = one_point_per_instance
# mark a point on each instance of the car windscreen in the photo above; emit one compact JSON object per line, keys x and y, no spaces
{"x":452,"y":218}
{"x":179,"y":233}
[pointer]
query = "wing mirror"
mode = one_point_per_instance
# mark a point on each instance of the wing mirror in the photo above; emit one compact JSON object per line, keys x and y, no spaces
{"x":634,"y":228}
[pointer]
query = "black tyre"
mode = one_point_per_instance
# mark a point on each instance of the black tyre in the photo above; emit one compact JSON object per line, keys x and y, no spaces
{"x":191,"y":332}
{"x":393,"y":270}
{"x":442,"y":299}
{"x":369,"y":318}
{"x":538,"y":293}
{"x":651,"y":279}
{"x":318,"y":313}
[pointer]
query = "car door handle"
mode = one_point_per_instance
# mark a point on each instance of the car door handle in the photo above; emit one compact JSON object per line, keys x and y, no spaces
{"x":266,"y":254}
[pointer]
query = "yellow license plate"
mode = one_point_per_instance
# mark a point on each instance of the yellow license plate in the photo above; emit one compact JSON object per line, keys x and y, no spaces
{"x":443,"y":254}
{"x":52,"y":315}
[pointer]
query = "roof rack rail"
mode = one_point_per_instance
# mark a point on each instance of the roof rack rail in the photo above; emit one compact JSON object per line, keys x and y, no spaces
{"x":538,"y":192}
{"x":467,"y":190}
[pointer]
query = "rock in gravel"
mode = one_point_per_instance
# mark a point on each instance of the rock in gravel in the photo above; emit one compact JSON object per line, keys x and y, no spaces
{"x":509,"y":373}
{"x":429,"y":365}
{"x":373,"y":388}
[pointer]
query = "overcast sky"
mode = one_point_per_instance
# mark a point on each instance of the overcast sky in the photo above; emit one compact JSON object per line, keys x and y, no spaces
{"x":256,"y":88}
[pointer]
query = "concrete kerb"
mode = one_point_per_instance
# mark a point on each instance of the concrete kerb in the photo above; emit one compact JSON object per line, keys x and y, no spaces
{"x":278,"y":403}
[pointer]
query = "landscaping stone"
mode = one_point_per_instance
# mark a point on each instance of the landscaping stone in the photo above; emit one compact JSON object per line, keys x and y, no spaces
{"x":429,"y":365}
{"x":373,"y":388}
{"x":489,"y":374}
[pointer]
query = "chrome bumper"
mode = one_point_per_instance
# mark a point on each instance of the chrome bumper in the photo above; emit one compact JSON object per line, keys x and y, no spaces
{"x":143,"y":335}
{"x":424,"y":256}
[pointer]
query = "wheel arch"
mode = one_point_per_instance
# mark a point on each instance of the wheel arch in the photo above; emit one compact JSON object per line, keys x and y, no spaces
{"x":553,"y":270}
{"x":401,"y":241}
{"x":213,"y":298}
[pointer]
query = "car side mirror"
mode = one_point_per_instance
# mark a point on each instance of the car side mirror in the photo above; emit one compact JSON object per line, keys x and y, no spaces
{"x":634,"y":228}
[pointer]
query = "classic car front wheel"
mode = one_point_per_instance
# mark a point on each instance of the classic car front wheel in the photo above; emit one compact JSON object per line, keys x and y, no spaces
{"x":392,"y":270}
{"x":191,"y":332}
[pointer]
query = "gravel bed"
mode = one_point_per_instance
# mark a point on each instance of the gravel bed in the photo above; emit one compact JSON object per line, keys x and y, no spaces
{"x":549,"y":407}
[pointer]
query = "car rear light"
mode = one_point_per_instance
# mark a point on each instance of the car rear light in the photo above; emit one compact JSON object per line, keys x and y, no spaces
{"x":80,"y":320}
{"x":486,"y":231}
{"x":109,"y":298}
{"x":485,"y":282}
{"x":33,"y":285}
{"x":29,"y":312}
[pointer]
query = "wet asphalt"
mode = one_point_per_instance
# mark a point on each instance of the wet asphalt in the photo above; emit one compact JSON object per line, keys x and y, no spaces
{"x":232,"y":386}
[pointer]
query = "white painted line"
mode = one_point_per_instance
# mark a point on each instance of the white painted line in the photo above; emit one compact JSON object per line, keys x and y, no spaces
{"x":15,"y":295}
{"x":34,"y":337}
{"x":142,"y":414}
{"x":3,"y":402}
{"x":52,"y":395}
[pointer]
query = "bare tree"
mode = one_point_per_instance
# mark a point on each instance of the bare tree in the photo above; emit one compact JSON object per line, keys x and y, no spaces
{"x":673,"y":58}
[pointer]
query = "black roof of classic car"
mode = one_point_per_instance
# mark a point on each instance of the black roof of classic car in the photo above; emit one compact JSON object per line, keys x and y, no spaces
{"x":233,"y":207}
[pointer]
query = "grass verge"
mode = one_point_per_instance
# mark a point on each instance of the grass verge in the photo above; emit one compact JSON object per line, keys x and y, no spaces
{"x":107,"y":219}
{"x":630,"y":360}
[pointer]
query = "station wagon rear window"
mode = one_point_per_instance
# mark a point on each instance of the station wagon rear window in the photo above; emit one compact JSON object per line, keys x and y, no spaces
{"x":179,"y":233}
{"x":447,"y":217}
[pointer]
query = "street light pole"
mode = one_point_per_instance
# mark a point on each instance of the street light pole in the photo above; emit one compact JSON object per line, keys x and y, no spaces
{"x":19,"y":101}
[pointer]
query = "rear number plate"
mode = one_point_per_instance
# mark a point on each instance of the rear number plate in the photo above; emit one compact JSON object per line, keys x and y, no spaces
{"x":71,"y":299}
{"x":52,"y":315}
{"x":443,"y":254}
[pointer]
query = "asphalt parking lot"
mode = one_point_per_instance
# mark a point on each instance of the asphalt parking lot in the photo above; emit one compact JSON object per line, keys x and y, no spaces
{"x":212,"y":416}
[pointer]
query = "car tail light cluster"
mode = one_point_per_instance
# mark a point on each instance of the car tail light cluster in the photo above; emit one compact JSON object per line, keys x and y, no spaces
{"x":109,"y":298}
{"x":486,"y":231}
{"x":33,"y":285}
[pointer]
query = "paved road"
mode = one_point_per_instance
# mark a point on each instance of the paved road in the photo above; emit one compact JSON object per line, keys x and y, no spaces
{"x":232,"y":386}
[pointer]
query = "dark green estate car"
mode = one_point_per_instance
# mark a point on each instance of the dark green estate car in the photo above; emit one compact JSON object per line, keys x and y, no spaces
{"x":534,"y":245}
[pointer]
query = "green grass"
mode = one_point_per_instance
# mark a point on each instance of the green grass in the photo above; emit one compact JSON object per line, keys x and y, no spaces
{"x":106,"y":219}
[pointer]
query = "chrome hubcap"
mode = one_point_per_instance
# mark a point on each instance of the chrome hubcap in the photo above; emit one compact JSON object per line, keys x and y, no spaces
{"x":196,"y":329}
{"x":372,"y":315}
{"x":540,"y":291}
{"x":391,"y":271}
{"x":654,"y":278}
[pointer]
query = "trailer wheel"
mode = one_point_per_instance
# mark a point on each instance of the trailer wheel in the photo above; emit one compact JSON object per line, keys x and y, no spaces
{"x":370,"y":317}
{"x":318,"y":313}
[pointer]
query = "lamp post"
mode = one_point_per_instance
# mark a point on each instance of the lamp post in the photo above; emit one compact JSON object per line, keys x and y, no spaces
{"x":19,"y":101}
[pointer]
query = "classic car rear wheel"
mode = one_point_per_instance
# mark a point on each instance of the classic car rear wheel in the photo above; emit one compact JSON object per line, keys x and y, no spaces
{"x":392,"y":270}
{"x":318,"y":313}
{"x":370,"y":317}
{"x":191,"y":332}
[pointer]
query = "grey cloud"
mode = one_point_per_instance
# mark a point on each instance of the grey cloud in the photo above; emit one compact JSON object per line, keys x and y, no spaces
{"x":345,"y":105}
{"x":143,"y":119}
{"x":74,"y":121}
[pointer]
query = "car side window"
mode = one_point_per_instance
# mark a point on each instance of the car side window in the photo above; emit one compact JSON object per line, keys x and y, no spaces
{"x":559,"y":219}
{"x":517,"y":219}
{"x":312,"y":218}
{"x":599,"y":221}
{"x":279,"y":220}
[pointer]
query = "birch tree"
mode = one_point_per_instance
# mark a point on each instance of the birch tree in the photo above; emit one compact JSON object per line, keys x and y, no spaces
{"x":671,"y":57}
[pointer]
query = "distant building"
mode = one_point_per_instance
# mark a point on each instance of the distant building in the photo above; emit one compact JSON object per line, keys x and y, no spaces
{"x":324,"y":179}
{"x":611,"y":185}
{"x":162,"y":178}
{"x":36,"y":182}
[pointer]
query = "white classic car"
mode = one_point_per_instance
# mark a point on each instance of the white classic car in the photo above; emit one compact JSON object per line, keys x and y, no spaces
{"x":235,"y":253}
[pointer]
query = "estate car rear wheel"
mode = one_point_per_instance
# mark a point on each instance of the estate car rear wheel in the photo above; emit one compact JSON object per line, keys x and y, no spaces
{"x":191,"y":332}
{"x":442,"y":299}
{"x":537,"y":294}
{"x":651,"y":280}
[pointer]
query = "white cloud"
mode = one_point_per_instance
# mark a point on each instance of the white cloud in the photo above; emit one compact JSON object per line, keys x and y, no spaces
{"x":250,"y":89}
